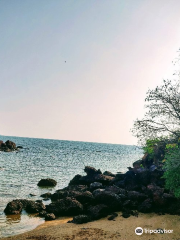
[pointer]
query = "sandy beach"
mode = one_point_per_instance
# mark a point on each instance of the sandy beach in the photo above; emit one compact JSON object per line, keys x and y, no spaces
{"x":121,"y":228}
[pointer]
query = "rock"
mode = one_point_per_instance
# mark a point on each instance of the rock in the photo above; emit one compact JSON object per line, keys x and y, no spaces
{"x":34,"y":207}
{"x":133,"y":195}
{"x":113,"y":216}
{"x":81,"y":219}
{"x":14,"y":207}
{"x":59,"y":195}
{"x":92,"y":171}
{"x":48,"y":182}
{"x":115,"y":189}
{"x":110,"y":199}
{"x":95,"y":185}
{"x":82,"y":197}
{"x":32,"y":195}
{"x":46,"y":195}
{"x":42,"y":213}
{"x":50,"y":217}
{"x":75,"y":180}
{"x":98,"y":211}
{"x":107,"y":173}
{"x":97,"y":191}
{"x":11,"y":145}
{"x":87,"y":180}
{"x":146,"y":206}
{"x":20,"y":147}
{"x":65,"y":207}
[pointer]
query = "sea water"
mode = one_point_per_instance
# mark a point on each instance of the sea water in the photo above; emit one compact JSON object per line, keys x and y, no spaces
{"x":21,"y":170}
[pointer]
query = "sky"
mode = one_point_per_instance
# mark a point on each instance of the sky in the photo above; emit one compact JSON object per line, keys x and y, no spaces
{"x":79,"y":70}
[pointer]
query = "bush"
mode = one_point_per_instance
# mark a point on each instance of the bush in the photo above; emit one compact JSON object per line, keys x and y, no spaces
{"x":172,"y":169}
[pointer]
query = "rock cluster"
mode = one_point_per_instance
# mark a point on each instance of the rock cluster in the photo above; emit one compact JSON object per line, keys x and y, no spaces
{"x":98,"y":195}
{"x":8,"y":146}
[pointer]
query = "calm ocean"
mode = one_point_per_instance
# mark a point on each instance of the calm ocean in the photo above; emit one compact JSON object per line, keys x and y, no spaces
{"x":60,"y":160}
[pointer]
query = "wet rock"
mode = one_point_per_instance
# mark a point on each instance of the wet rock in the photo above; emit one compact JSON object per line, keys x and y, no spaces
{"x":91,"y":171}
{"x":34,"y":207}
{"x":50,"y":217}
{"x":48,"y":182}
{"x":65,"y":207}
{"x":59,"y":195}
{"x":20,"y":147}
{"x":98,"y":211}
{"x":11,"y":145}
{"x":82,"y":197}
{"x":46,"y":195}
{"x":81,"y":219}
{"x":14,"y":207}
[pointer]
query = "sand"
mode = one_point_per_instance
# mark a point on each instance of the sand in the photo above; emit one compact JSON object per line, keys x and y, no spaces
{"x":121,"y":228}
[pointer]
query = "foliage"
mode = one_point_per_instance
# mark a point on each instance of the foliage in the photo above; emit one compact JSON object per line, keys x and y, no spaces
{"x":172,"y":169}
{"x":162,"y":118}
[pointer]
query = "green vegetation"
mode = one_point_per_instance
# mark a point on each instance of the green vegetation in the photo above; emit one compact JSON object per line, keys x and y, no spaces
{"x":159,"y":131}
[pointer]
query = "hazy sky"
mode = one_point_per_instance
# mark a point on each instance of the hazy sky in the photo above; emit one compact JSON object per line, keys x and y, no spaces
{"x":114,"y":51}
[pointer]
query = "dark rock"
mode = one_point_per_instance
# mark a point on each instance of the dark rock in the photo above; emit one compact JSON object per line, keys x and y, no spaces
{"x":110,"y":199}
{"x":48,"y":182}
{"x":92,"y":171}
{"x":81,"y":219}
{"x":46,"y":195}
{"x":146,"y":206}
{"x":59,"y":195}
{"x":50,"y":217}
{"x":107,"y":173}
{"x":82,"y":197}
{"x":115,"y":189}
{"x":32,"y":195}
{"x":42,"y":213}
{"x":65,"y":207}
{"x":20,"y":147}
{"x":14,"y":207}
{"x":133,"y":195}
{"x":11,"y":145}
{"x":75,"y":180}
{"x":97,"y":191}
{"x":113,"y":216}
{"x":95,"y":185}
{"x":34,"y":207}
{"x":98,"y":211}
{"x":87,"y":180}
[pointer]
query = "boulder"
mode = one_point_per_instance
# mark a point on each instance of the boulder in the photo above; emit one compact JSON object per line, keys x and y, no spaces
{"x":75,"y":180}
{"x":95,"y":185}
{"x":137,"y":196}
{"x":81,"y":219}
{"x":34,"y":207}
{"x":65,"y":207}
{"x":11,"y":145}
{"x":91,"y":170}
{"x":14,"y":207}
{"x":146,"y":206}
{"x":98,"y":211}
{"x":110,"y":199}
{"x":50,"y":217}
{"x":87,"y":180}
{"x":107,"y":173}
{"x":46,"y":195}
{"x":48,"y":182}
{"x":113,"y":216}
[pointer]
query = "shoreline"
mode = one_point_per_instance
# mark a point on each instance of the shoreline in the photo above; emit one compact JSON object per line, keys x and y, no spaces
{"x":121,"y":228}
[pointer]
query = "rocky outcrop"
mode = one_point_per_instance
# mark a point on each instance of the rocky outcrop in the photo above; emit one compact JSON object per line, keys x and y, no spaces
{"x":8,"y":146}
{"x":98,"y":195}
{"x":48,"y":182}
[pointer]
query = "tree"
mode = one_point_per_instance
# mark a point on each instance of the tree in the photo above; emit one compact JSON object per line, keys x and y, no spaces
{"x":162,"y":118}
